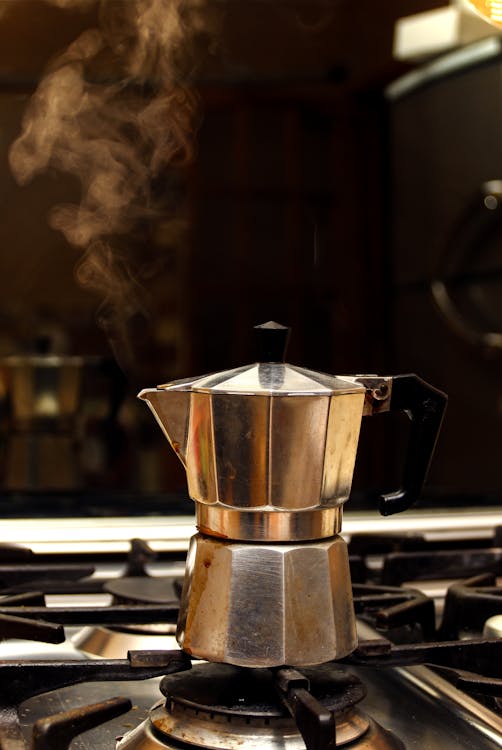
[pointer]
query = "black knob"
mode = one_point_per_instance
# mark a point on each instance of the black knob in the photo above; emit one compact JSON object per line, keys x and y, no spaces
{"x":271,"y":341}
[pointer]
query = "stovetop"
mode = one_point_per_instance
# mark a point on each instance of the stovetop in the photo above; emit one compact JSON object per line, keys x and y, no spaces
{"x":395,"y":700}
{"x":402,"y":630}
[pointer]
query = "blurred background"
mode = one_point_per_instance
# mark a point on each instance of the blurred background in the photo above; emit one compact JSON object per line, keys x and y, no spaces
{"x":343,"y":176}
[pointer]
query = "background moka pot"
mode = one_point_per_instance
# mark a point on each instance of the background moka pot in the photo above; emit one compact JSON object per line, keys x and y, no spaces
{"x":269,"y":450}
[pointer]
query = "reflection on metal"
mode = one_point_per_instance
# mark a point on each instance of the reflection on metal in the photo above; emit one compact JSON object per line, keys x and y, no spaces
{"x":493,"y":627}
{"x":144,"y":738}
{"x":454,"y":268}
{"x":259,"y":525}
{"x":172,"y":533}
{"x":442,"y":297}
{"x":476,"y":53}
{"x":224,"y":708}
{"x":485,"y":721}
{"x":269,"y":450}
{"x":115,"y":644}
{"x":462,"y":707}
{"x":266,"y":605}
{"x":269,"y":436}
{"x":217,"y":732}
{"x":57,"y":731}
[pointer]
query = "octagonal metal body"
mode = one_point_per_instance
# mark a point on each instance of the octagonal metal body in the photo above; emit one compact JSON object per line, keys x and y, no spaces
{"x":267,"y":436}
{"x":258,"y":605}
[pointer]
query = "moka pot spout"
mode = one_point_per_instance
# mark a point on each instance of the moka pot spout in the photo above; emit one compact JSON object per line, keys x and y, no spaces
{"x":170,"y":405}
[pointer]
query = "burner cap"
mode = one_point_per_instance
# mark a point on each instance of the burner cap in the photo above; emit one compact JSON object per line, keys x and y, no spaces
{"x":142,"y":590}
{"x":236,"y":691}
{"x":219,"y":706}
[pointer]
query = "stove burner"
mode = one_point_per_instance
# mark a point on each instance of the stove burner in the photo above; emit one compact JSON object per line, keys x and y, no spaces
{"x":142,"y":590}
{"x":219,"y":706}
{"x":239,"y":692}
{"x":469,"y":603}
{"x":115,"y":641}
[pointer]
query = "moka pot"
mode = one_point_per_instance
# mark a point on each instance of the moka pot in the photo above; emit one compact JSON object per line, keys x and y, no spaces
{"x":269,"y":450}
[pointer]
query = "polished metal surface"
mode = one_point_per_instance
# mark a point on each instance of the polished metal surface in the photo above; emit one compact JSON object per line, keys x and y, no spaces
{"x":172,"y":533}
{"x":266,"y":605}
{"x":105,"y":643}
{"x":484,"y":722}
{"x":466,"y":722}
{"x":269,"y":450}
{"x":493,"y":627}
{"x":218,"y":706}
{"x":221,"y":707}
{"x":266,"y":451}
{"x":420,"y":720}
{"x":264,"y":466}
{"x":165,"y":729}
{"x":420,"y":717}
{"x":268,"y":525}
{"x":115,"y":642}
{"x":456,"y":61}
{"x":264,"y":378}
{"x":202,"y":729}
{"x":377,"y":738}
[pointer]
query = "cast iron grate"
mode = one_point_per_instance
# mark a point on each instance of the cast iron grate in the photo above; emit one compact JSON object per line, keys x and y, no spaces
{"x":473,"y":665}
{"x":28,"y":678}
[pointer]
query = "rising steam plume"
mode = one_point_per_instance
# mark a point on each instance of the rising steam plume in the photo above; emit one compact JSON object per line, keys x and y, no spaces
{"x":116,"y":110}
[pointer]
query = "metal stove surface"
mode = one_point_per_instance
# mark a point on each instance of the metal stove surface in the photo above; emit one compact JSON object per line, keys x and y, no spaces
{"x":421,"y":708}
{"x":417,"y":705}
{"x":394,"y":700}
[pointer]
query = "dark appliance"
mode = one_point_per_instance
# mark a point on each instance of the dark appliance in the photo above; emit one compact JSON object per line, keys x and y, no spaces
{"x":445,"y":233}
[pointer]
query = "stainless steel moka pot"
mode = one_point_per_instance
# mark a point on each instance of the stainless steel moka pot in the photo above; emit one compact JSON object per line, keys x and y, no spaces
{"x":269,"y":450}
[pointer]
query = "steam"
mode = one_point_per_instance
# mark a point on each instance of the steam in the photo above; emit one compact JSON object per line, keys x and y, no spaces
{"x":72,"y":3}
{"x":117,"y":136}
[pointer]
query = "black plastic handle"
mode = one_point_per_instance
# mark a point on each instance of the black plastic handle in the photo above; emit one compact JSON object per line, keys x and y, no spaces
{"x":425,"y":406}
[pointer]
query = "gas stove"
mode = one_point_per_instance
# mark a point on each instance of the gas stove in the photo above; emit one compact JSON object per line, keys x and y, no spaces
{"x":425,"y":674}
{"x":287,"y":637}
